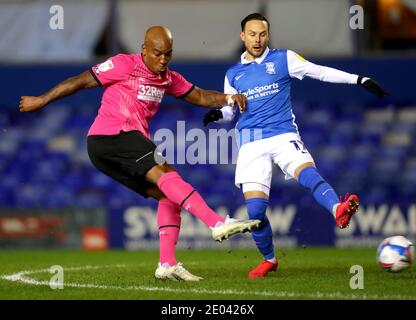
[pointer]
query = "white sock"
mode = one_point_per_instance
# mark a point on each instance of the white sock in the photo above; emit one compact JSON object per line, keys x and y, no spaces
{"x":334,"y":210}
{"x":272,"y":260}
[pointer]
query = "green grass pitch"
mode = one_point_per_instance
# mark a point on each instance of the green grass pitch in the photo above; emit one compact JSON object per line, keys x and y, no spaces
{"x":303,"y":273}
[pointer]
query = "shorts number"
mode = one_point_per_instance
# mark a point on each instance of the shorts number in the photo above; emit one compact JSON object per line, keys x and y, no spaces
{"x":299,"y":146}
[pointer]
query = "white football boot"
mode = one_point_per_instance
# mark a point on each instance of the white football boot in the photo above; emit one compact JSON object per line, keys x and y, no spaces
{"x":176,"y":273}
{"x":232,"y":226}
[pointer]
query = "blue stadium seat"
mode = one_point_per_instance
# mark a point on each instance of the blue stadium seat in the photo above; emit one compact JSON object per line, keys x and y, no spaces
{"x":365,"y":150}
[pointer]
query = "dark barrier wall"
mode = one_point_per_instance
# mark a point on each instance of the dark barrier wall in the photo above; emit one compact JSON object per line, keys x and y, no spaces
{"x":395,"y":74}
{"x":298,"y":224}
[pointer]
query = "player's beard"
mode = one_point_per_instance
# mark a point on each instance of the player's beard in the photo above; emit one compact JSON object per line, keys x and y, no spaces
{"x":257,"y":53}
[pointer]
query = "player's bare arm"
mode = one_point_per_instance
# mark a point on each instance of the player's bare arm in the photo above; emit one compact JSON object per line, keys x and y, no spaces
{"x":65,"y":88}
{"x":215,"y":99}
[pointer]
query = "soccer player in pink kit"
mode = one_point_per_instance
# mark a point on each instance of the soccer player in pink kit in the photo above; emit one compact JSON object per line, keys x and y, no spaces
{"x":119,"y":140}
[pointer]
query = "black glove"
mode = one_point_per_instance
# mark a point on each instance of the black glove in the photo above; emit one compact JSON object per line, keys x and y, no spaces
{"x":212,"y":115}
{"x":372,"y":86}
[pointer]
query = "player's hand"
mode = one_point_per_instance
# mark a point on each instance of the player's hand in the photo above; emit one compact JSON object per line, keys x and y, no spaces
{"x":372,"y":86}
{"x":30,"y":104}
{"x":212,"y":115}
{"x":240,"y":99}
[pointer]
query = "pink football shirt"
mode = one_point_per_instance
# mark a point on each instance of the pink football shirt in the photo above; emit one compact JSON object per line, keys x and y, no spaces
{"x":132,"y":94}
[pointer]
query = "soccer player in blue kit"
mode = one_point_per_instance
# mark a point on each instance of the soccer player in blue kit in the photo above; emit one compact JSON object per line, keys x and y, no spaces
{"x":267,"y":132}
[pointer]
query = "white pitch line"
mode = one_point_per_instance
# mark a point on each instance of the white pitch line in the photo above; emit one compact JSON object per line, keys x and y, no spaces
{"x":21,"y":277}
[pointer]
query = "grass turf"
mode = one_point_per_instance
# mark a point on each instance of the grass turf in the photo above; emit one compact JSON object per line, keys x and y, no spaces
{"x":310,"y":273}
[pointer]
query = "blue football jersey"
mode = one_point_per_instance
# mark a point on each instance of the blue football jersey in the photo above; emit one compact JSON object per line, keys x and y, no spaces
{"x":266,"y":82}
{"x":267,"y":88}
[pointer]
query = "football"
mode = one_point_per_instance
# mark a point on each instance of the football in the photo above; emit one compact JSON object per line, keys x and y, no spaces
{"x":395,"y":253}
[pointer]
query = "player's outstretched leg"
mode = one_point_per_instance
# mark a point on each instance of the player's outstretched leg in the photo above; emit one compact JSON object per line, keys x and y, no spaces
{"x":263,"y":237}
{"x":180,"y":192}
{"x":325,"y":195}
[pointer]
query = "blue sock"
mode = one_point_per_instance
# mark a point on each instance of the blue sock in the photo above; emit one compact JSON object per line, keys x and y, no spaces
{"x":263,"y":237}
{"x":323,"y":193}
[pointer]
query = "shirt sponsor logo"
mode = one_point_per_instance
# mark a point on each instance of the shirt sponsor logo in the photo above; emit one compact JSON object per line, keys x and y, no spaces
{"x":261,"y":91}
{"x":150,"y":93}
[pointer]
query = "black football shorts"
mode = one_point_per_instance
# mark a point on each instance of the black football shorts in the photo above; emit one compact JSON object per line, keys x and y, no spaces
{"x":125,"y":157}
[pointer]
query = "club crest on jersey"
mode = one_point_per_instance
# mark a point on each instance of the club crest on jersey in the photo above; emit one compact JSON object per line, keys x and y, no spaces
{"x":270,"y":68}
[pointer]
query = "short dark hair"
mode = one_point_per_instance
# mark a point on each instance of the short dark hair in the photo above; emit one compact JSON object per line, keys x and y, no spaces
{"x":254,"y":16}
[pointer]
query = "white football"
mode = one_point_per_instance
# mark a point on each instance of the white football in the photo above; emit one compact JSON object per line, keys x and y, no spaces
{"x":395,"y":253}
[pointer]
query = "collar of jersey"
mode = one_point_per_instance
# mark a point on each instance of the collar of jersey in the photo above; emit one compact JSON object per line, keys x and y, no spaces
{"x":258,"y":60}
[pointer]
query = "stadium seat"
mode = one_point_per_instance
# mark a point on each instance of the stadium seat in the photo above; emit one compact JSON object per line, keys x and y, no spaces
{"x":360,"y":149}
